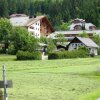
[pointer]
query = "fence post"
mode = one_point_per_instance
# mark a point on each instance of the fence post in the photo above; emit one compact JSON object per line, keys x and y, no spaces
{"x":5,"y":84}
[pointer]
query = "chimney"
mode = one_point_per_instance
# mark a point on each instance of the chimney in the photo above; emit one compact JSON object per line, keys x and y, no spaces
{"x":30,"y":16}
{"x":83,"y":25}
{"x":34,"y":16}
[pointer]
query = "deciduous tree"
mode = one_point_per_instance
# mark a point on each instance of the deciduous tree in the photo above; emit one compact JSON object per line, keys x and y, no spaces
{"x":5,"y":32}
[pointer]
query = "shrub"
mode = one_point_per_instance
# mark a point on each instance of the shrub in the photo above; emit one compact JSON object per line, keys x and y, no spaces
{"x":1,"y":51}
{"x":25,"y":55}
{"x":99,"y":51}
{"x":1,"y":95}
{"x":68,"y":54}
{"x":53,"y":56}
{"x":11,"y":50}
{"x":92,"y":54}
{"x":51,"y":47}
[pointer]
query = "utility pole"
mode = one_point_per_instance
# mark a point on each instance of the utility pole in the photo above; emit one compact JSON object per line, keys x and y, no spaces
{"x":5,"y":83}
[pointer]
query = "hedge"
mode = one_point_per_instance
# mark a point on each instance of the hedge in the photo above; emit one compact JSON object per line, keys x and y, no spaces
{"x":68,"y":54}
{"x":99,"y":51}
{"x":26,"y":55}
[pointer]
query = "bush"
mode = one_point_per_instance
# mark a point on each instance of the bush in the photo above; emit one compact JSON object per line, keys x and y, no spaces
{"x":50,"y":48}
{"x":99,"y":51}
{"x":25,"y":55}
{"x":1,"y":95}
{"x":68,"y":54}
{"x":92,"y":54}
{"x":11,"y":50}
{"x":1,"y":51}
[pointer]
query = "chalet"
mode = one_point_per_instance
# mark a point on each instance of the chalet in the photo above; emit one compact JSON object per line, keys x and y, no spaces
{"x":37,"y":26}
{"x":80,"y":41}
{"x":40,"y":26}
{"x":80,"y":24}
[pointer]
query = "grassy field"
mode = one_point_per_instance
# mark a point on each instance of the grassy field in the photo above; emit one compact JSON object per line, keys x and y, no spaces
{"x":68,"y":79}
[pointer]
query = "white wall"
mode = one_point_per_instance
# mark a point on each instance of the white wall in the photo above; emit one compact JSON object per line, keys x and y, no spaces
{"x":93,"y":50}
{"x":35,"y":29}
{"x":19,"y":21}
{"x":72,"y":46}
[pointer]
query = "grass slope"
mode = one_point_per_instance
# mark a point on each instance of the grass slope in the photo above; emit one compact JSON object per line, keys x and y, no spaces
{"x":69,"y":79}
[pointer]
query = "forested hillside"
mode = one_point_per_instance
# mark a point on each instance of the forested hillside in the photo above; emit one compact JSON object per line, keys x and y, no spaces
{"x":57,"y":10}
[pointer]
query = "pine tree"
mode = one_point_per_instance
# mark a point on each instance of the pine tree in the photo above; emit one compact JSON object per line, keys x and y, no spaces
{"x":3,"y":8}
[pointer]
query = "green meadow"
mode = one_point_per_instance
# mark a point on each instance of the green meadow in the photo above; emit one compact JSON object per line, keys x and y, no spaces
{"x":67,"y":79}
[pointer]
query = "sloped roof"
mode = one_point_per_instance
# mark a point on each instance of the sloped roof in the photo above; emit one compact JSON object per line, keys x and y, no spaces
{"x":82,"y":20}
{"x":72,"y":32}
{"x":87,"y":25}
{"x":88,"y":42}
{"x":33,"y":20}
{"x":18,"y":15}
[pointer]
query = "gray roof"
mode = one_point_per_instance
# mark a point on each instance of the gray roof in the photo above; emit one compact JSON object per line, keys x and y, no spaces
{"x":88,"y":42}
{"x":74,"y":32}
{"x":18,"y":15}
{"x":33,"y":20}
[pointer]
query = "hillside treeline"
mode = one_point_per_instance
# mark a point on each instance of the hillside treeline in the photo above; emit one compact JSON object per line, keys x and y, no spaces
{"x":58,"y":11}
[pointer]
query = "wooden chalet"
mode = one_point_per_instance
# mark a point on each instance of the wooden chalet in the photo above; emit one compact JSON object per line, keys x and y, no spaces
{"x":45,"y":26}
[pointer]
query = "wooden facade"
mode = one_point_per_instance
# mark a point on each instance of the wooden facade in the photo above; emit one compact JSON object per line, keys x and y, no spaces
{"x":40,"y":26}
{"x":45,"y":27}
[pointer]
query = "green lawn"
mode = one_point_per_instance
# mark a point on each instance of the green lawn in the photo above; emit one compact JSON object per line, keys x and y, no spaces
{"x":68,"y":79}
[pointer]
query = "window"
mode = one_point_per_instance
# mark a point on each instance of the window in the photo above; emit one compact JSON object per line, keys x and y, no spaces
{"x":72,"y":44}
{"x":92,"y":50}
{"x":75,"y":45}
{"x":31,"y":27}
{"x":81,"y":44}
